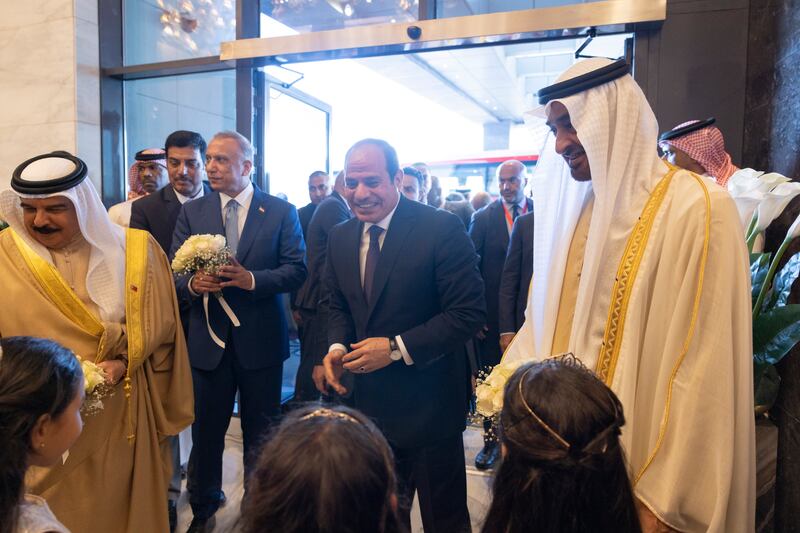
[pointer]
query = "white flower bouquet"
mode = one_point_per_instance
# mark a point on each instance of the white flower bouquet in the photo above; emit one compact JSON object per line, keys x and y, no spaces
{"x":95,"y":387}
{"x":490,"y":389}
{"x":201,"y":252}
{"x":207,"y":253}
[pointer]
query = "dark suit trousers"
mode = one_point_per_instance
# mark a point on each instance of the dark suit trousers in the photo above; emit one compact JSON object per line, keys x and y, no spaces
{"x":438,"y":473}
{"x":214,"y":395}
{"x":304,"y":388}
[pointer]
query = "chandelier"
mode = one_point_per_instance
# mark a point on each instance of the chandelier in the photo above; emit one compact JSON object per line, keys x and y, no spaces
{"x":198,"y":25}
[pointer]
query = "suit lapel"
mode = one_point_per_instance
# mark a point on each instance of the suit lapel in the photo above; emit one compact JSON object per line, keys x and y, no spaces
{"x":255,"y":217}
{"x":353,"y":266}
{"x":212,"y":215}
{"x":399,"y":228}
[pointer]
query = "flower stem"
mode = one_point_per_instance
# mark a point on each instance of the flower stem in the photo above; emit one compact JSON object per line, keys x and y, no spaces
{"x":770,"y":274}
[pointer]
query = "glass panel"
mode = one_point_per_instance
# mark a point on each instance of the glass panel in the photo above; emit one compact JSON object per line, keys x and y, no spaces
{"x":463,"y":8}
{"x":167,"y":30}
{"x":303,"y":16}
{"x":154,"y":108}
{"x":297,"y":145}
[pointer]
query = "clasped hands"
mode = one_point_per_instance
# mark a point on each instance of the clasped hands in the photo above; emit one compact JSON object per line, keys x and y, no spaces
{"x":367,"y":356}
{"x":234,"y":273}
{"x":114,"y":369}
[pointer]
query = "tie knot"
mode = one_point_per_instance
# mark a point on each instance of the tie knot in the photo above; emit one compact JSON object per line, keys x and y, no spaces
{"x":232,"y":204}
{"x":375,"y":231}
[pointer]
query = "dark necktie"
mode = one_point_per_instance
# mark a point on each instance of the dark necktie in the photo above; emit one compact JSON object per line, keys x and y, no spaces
{"x":373,"y":253}
{"x":515,"y":212}
{"x":232,"y":225}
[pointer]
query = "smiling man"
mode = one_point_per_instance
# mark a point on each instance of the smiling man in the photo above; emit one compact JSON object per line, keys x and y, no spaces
{"x":71,"y":275}
{"x":404,"y":294}
{"x":641,"y":268}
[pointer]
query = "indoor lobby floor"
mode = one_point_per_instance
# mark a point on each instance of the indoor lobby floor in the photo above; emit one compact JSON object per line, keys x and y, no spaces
{"x":478,"y":484}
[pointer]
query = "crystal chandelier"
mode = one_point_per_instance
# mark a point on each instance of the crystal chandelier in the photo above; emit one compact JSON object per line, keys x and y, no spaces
{"x":198,"y":25}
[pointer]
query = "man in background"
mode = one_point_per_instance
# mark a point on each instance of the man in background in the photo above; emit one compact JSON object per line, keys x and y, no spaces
{"x":413,"y":186}
{"x":147,"y":174}
{"x":319,"y":188}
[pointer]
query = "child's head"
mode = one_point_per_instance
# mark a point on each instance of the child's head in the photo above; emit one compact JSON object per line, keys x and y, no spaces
{"x":324,"y":469}
{"x":563,"y":467}
{"x":41,"y":392}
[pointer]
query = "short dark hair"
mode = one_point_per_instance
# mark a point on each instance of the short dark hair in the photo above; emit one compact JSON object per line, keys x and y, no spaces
{"x":317,"y":173}
{"x":345,"y":481}
{"x":389,"y":154}
{"x":185,"y":138}
{"x":411,"y":171}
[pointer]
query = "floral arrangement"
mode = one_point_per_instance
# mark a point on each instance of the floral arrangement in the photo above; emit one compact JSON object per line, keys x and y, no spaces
{"x":208,"y":253}
{"x":95,"y":386}
{"x":760,"y":199}
{"x":201,"y":252}
{"x":489,"y":391}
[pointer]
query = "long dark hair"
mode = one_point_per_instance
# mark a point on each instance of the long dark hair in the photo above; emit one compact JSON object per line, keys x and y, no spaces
{"x":37,"y":377}
{"x":324,"y":470}
{"x":563,"y":470}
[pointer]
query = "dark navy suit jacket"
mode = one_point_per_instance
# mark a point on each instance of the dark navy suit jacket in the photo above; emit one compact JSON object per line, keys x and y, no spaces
{"x":489,"y":233}
{"x":271,"y":247}
{"x":426,"y":289}
{"x":517,"y":273}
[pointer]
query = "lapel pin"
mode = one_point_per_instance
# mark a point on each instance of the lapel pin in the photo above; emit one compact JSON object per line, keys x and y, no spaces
{"x":260,"y":209}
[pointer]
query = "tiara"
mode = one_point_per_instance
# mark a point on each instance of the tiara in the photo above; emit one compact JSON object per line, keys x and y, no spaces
{"x":329,"y":413}
{"x":553,"y":433}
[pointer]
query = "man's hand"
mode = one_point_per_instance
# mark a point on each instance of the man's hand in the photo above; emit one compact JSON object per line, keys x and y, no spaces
{"x":297,"y":317}
{"x":318,"y":375}
{"x":236,"y":275}
{"x":482,"y":332}
{"x":333,"y":370}
{"x":203,"y":283}
{"x":505,"y":340}
{"x":368,"y":355}
{"x":650,"y":522}
{"x":113,"y":369}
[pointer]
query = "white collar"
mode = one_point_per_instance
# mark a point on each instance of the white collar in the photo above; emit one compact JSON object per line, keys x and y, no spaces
{"x":243,"y":198}
{"x":384,"y":223}
{"x":183,"y":199}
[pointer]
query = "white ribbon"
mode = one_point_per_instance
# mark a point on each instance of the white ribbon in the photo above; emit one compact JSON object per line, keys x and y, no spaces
{"x":228,"y":311}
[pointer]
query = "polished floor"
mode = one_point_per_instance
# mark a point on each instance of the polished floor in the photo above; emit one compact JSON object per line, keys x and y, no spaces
{"x":477,"y":484}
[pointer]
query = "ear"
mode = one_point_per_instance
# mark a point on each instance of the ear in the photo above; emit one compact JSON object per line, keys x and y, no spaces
{"x":398,"y":179}
{"x":39,"y":432}
{"x":248,"y":167}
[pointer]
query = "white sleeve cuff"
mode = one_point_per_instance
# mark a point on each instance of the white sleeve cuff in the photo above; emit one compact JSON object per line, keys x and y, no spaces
{"x":252,"y":282}
{"x":190,"y":287}
{"x":406,"y":356}
{"x":337,"y":346}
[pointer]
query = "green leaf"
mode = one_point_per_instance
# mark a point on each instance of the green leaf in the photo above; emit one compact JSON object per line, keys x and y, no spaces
{"x":782,"y":285}
{"x":759,"y":266}
{"x":767,"y":383}
{"x":775,"y":332}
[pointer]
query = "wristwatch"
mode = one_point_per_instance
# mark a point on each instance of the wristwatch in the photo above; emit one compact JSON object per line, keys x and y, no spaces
{"x":396,"y":354}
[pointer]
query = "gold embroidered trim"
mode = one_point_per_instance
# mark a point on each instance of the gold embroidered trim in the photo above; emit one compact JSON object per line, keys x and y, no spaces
{"x":626,"y":276}
{"x":690,"y":334}
{"x":135,"y":278}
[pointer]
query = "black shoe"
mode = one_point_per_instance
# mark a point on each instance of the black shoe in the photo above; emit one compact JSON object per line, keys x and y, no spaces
{"x":172,"y":510}
{"x":202,"y":525}
{"x":487,"y":457}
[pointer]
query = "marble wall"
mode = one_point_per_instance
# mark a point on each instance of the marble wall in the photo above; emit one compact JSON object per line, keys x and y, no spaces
{"x":772,"y":118}
{"x":49,"y":88}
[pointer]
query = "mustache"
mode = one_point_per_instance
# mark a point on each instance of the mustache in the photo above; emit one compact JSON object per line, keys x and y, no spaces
{"x":45,"y":230}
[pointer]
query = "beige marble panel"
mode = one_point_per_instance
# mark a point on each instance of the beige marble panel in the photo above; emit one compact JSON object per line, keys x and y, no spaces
{"x":19,"y":13}
{"x":20,"y":142}
{"x":87,"y":72}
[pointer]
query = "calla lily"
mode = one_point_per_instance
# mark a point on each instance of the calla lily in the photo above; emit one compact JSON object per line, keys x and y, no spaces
{"x":774,"y":203}
{"x":742,"y":181}
{"x":794,"y":230}
{"x":746,"y":205}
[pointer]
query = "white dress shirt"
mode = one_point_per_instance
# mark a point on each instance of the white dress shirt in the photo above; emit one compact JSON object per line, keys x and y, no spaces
{"x":183,"y":199}
{"x":362,"y":263}
{"x":522,"y":206}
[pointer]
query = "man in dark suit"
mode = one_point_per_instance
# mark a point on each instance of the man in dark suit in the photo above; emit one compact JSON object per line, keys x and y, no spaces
{"x":310,"y":302}
{"x":516,"y":280}
{"x":267,"y":249}
{"x":490,"y":229}
{"x":319,"y":188}
{"x":157,"y":213}
{"x":405,"y":291}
